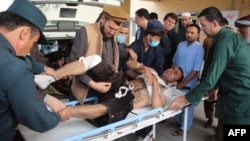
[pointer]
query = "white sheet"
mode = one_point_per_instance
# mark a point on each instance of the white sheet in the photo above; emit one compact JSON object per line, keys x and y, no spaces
{"x":65,"y":129}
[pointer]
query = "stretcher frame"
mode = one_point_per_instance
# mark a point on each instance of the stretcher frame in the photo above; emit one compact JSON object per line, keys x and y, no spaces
{"x":136,"y":120}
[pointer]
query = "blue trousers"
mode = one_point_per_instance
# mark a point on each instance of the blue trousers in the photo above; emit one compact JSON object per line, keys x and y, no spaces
{"x":180,"y":117}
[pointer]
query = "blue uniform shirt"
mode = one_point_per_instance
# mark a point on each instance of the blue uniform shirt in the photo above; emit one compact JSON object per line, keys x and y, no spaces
{"x":153,"y":57}
{"x":19,"y":100}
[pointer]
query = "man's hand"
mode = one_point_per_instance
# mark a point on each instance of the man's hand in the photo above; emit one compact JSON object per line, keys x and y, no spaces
{"x":54,"y":104}
{"x":148,"y":75}
{"x":61,"y":62}
{"x":154,"y":79}
{"x":65,"y":113}
{"x":213,"y":94}
{"x":101,"y":87}
{"x":50,"y":71}
{"x":180,"y":85}
{"x":178,"y":103}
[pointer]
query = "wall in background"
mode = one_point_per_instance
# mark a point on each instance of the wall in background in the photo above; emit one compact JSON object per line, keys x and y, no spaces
{"x":194,"y":6}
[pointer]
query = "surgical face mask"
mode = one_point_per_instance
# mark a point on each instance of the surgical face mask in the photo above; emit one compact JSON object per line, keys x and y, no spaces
{"x":121,"y":38}
{"x":153,"y":43}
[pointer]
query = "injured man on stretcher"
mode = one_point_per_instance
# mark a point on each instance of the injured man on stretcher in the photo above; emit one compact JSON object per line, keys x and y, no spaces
{"x":123,"y":96}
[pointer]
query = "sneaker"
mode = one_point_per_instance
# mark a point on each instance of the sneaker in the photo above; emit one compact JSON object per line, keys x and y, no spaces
{"x":90,"y":61}
{"x":43,"y":81}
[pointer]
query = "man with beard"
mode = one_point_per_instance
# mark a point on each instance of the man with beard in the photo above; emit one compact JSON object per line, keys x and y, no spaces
{"x":229,"y":69}
{"x":189,"y":56}
{"x":243,"y":25}
{"x":98,"y":39}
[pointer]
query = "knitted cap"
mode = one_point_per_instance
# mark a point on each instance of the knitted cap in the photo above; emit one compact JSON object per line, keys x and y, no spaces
{"x":115,"y":13}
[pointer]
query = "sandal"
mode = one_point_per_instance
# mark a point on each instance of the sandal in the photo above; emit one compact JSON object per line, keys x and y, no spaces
{"x":178,"y":132}
{"x":173,"y":125}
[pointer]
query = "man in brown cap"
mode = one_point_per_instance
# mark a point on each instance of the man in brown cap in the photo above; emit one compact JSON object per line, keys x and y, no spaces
{"x":243,"y":25}
{"x":97,"y":38}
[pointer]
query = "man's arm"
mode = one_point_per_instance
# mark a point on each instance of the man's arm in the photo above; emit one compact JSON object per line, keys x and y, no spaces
{"x":157,"y":99}
{"x":184,"y":82}
{"x":136,"y":68}
{"x":36,"y":66}
{"x":78,"y":49}
{"x":28,"y":107}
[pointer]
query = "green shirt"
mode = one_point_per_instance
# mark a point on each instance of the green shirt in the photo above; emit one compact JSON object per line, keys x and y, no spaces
{"x":229,"y":69}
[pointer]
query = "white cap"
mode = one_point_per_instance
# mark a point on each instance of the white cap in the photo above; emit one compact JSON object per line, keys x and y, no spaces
{"x":186,"y":14}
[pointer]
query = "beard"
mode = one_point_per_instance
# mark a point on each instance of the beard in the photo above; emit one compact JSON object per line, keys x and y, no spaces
{"x":248,"y":38}
{"x":105,"y":37}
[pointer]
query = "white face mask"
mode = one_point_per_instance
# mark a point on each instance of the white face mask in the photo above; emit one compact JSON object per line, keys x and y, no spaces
{"x":153,"y":43}
{"x":121,"y":38}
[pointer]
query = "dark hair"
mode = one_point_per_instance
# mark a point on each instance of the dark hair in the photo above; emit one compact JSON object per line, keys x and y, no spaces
{"x":11,"y":21}
{"x":212,"y":13}
{"x":154,"y":32}
{"x":225,"y":21}
{"x":153,"y":16}
{"x":180,"y":79}
{"x":194,"y":25}
{"x":155,"y":28}
{"x":172,"y":15}
{"x":142,"y":12}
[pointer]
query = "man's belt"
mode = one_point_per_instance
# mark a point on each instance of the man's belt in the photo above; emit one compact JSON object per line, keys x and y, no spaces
{"x":186,"y":88}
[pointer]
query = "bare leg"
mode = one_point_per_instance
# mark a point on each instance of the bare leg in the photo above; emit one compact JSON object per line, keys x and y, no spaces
{"x":78,"y":67}
{"x":79,"y":90}
{"x":88,"y":111}
{"x":73,"y":68}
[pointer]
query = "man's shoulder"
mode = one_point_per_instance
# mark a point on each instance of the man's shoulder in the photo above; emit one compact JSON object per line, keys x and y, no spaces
{"x":88,"y":26}
{"x":182,"y":43}
{"x":199,"y":45}
{"x":11,"y":67}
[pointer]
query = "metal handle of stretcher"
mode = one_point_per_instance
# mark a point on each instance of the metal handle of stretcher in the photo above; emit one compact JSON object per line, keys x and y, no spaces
{"x":74,"y":103}
{"x":112,"y":127}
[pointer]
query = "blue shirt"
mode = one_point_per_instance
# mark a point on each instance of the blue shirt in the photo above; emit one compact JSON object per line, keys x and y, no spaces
{"x":189,"y":58}
{"x":153,"y":57}
{"x":19,"y":100}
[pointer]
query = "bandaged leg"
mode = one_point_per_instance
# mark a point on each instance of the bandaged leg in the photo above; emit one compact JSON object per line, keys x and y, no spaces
{"x":73,"y":68}
{"x":78,"y":67}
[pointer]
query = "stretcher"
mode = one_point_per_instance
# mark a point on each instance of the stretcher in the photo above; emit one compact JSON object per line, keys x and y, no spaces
{"x":77,"y":129}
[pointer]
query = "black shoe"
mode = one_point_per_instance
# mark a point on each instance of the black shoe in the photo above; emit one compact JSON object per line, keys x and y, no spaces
{"x":208,"y":123}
